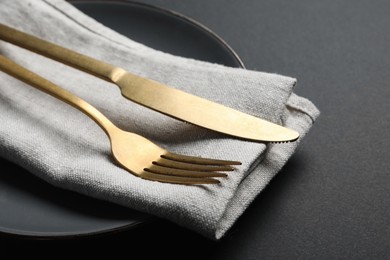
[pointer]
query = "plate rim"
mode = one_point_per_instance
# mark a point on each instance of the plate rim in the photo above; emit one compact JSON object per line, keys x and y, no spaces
{"x":34,"y":235}
{"x":176,"y":14}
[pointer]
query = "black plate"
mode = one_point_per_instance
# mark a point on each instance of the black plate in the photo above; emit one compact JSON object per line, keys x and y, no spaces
{"x":29,"y":206}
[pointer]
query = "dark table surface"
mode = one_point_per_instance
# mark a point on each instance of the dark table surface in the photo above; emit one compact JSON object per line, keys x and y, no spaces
{"x":332,"y":198}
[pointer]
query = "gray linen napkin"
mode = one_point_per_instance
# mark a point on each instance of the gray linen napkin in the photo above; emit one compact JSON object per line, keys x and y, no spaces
{"x":64,"y":147}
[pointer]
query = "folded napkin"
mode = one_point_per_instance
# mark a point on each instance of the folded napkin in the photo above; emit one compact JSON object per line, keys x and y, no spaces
{"x":64,"y":147}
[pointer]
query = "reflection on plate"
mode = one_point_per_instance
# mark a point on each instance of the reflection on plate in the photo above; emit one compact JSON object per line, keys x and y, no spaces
{"x":29,"y":206}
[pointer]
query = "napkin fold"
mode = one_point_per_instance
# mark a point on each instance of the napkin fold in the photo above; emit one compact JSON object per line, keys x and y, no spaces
{"x":64,"y":147}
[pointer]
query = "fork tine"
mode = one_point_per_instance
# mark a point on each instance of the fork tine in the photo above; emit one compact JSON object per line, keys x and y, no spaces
{"x":177,"y":179}
{"x":197,"y":160}
{"x":184,"y":173}
{"x":192,"y":167}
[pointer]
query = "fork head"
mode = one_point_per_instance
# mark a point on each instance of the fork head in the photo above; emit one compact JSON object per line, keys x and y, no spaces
{"x":147,"y":160}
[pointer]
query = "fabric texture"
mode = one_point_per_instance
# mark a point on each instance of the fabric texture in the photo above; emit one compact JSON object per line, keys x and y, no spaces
{"x":67,"y":149}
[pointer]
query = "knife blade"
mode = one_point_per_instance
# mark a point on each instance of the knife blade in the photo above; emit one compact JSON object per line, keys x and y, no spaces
{"x":157,"y":96}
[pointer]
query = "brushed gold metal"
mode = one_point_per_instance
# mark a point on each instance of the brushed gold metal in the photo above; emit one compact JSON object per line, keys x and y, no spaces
{"x":162,"y":98}
{"x":133,"y":152}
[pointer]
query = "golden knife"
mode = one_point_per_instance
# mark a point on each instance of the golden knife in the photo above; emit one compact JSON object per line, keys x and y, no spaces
{"x":159,"y":97}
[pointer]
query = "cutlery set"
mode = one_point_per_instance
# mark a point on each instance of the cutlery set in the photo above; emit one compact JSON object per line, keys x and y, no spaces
{"x":134,"y":152}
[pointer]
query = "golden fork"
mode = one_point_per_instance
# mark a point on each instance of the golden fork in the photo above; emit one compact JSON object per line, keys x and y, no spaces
{"x":133,"y":152}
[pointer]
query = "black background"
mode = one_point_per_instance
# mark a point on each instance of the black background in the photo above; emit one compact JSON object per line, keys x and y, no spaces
{"x":332,"y":198}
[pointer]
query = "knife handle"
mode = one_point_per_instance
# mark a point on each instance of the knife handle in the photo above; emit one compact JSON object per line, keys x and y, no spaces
{"x":53,"y":51}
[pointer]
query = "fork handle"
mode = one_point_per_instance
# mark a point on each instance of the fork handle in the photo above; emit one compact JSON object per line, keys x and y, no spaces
{"x":79,"y":61}
{"x":23,"y":74}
